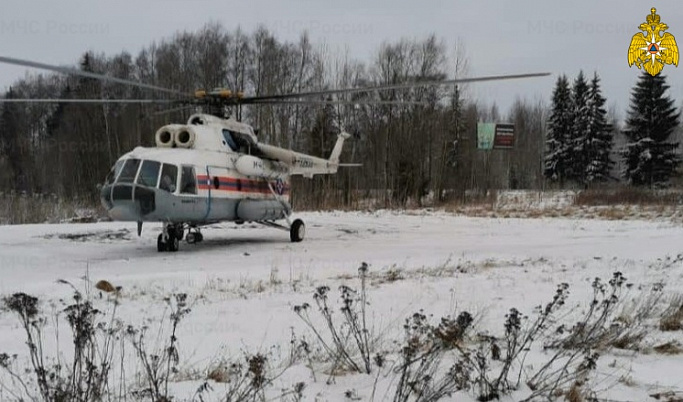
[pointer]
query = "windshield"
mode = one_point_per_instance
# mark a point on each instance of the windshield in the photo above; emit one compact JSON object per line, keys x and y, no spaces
{"x":130,"y":169}
{"x":115,"y":170}
{"x":149,"y":173}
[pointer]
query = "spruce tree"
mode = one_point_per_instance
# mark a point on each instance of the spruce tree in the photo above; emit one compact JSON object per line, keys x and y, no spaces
{"x":650,"y":156}
{"x":577,"y":152}
{"x":556,"y":164}
{"x":598,"y":137}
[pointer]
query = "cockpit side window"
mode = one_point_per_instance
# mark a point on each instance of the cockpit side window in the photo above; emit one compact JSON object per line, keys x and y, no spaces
{"x":188,"y":182}
{"x":149,"y":173}
{"x":229,"y":140}
{"x":114,"y":172}
{"x":130,"y":169}
{"x":169,"y":178}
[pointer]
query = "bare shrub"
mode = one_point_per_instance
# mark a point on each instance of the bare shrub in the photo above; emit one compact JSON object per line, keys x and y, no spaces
{"x":248,"y":378}
{"x":422,"y":376}
{"x":87,"y":375}
{"x":348,"y":345}
{"x":575,"y":348}
{"x":159,"y":366}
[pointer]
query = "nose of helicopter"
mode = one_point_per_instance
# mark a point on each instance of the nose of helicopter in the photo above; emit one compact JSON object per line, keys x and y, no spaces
{"x":125,"y":202}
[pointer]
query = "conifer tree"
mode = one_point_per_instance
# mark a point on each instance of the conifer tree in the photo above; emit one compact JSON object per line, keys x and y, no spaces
{"x":598,"y":138}
{"x":650,"y":155}
{"x":577,"y":152}
{"x":556,"y":166}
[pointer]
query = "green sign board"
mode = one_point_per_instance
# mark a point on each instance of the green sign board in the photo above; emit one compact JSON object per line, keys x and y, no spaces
{"x":485,"y":135}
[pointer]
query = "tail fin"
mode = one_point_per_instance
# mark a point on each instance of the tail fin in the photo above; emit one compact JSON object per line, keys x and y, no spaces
{"x":336,"y":151}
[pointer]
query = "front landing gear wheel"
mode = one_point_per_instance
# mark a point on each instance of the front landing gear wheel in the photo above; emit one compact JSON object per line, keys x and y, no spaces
{"x":297,"y":231}
{"x":170,"y":244}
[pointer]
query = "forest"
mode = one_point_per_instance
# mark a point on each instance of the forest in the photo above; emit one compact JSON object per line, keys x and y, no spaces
{"x":410,"y":153}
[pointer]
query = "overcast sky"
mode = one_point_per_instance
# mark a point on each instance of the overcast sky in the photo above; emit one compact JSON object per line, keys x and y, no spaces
{"x":500,"y":37}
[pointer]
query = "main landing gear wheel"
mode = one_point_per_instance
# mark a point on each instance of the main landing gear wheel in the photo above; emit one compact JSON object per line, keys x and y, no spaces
{"x":297,"y":231}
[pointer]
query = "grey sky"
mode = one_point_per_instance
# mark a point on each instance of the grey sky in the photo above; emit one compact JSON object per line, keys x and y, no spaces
{"x":500,"y":37}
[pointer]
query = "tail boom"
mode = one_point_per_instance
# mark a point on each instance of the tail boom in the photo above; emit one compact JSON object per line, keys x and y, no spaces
{"x":307,"y":165}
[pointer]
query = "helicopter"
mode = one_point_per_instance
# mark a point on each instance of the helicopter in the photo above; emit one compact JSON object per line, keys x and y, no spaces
{"x":213,"y":167}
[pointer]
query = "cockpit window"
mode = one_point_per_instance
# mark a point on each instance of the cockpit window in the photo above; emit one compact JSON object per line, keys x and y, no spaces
{"x":149,"y":173}
{"x":188,"y":183}
{"x":114,"y":172}
{"x":169,"y":178}
{"x":229,"y":140}
{"x":130,"y":169}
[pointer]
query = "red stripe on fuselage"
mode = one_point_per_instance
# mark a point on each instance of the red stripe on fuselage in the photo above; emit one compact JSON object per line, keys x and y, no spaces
{"x":226,"y":183}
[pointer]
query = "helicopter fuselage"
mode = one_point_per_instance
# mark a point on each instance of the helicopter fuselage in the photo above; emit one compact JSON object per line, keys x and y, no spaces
{"x":193,"y":186}
{"x":206,"y":171}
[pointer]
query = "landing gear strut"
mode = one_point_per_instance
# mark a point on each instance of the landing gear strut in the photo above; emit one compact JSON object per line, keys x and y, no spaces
{"x":297,"y":229}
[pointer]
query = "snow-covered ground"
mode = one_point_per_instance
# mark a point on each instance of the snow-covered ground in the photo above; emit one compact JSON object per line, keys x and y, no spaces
{"x":243,"y":282}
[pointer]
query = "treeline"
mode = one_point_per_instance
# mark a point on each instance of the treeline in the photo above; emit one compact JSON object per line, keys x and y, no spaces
{"x":407,"y":151}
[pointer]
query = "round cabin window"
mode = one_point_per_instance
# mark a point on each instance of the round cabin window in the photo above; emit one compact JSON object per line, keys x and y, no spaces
{"x":216,"y":183}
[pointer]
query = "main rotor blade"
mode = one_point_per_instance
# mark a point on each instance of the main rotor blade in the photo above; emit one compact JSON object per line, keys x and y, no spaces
{"x":333,"y":102}
{"x":74,"y":71}
{"x":87,"y":101}
{"x":394,"y":86}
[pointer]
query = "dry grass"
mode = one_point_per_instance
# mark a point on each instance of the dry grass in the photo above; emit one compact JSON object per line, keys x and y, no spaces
{"x":669,"y":348}
{"x":219,"y":374}
{"x":668,"y":396}
{"x":391,"y":275}
{"x":40,"y":208}
{"x":611,"y":203}
{"x":672,"y":318}
{"x":630,"y":339}
{"x":627,"y":380}
{"x":574,"y":394}
{"x":628,"y":195}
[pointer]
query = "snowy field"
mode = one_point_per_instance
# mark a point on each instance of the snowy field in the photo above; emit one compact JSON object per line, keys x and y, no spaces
{"x":243,"y":282}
